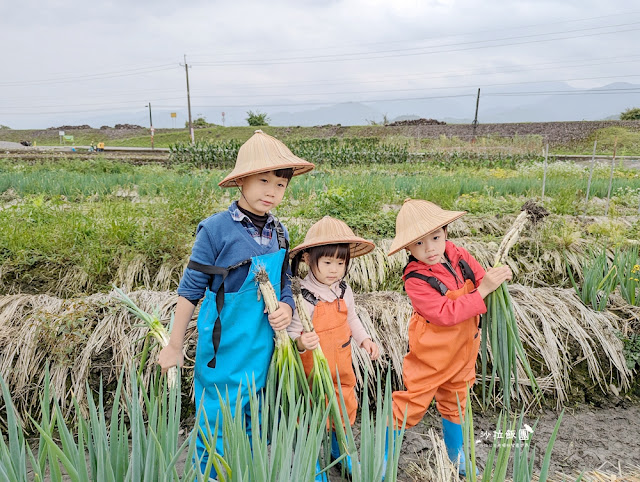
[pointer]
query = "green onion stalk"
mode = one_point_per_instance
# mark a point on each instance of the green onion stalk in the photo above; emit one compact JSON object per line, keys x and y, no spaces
{"x":512,"y":441}
{"x":500,"y":327}
{"x":599,"y":280}
{"x":322,"y":387}
{"x":286,"y":368}
{"x":156,"y":330}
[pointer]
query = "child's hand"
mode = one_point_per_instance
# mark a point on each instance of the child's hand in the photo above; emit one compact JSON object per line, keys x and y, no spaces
{"x":308,"y":341}
{"x":169,"y":357}
{"x":493,"y":279}
{"x":371,"y":348}
{"x":281,"y":318}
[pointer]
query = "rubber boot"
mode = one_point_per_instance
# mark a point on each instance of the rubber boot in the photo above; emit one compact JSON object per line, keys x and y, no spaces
{"x":386,"y":450}
{"x":320,"y":477}
{"x":336,"y":452}
{"x":452,"y":434}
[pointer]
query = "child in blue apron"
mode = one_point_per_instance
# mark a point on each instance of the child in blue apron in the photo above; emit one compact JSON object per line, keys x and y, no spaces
{"x":235,"y":335}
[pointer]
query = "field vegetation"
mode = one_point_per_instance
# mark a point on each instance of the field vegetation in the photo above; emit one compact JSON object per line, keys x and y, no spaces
{"x":563,"y":137}
{"x":72,"y":228}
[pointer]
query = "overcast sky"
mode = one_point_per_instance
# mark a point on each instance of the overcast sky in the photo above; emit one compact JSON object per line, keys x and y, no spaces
{"x":74,"y":62}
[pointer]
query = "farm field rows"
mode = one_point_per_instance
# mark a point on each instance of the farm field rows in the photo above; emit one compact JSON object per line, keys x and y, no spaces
{"x":565,"y":137}
{"x":72,"y":228}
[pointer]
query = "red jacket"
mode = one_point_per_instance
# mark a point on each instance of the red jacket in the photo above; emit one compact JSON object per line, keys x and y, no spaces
{"x":439,"y":309}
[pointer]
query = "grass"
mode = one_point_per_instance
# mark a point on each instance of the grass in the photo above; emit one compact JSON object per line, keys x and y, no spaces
{"x":165,"y":137}
{"x":139,"y":438}
{"x":628,"y":139}
{"x":102,"y":217}
{"x":42,"y":238}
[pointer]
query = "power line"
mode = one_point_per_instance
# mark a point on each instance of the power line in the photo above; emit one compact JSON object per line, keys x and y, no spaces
{"x":101,"y":76}
{"x":421,"y":50}
{"x":424,"y":39}
{"x":450,"y":73}
{"x":366,"y":101}
{"x":102,"y":109}
{"x":346,"y":81}
{"x":484,"y":85}
{"x":88,"y":104}
{"x":413,"y":89}
{"x":130,"y":93}
{"x":323,"y":58}
{"x":562,"y":92}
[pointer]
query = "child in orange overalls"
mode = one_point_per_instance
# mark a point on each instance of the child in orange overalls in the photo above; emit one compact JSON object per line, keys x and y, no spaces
{"x":447,"y":287}
{"x":327,"y":249}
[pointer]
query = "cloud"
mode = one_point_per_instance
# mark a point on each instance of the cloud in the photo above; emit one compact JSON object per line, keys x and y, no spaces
{"x":87,"y":58}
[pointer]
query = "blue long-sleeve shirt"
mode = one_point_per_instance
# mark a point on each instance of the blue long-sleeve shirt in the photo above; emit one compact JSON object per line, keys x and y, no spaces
{"x":224,"y":239}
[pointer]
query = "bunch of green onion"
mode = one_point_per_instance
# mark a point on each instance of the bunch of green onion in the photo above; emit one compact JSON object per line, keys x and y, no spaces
{"x":286,"y":366}
{"x":322,"y":388}
{"x":500,"y":326}
{"x":156,"y":330}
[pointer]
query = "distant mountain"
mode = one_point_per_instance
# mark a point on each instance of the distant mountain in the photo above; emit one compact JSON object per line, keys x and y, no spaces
{"x":542,"y":102}
{"x":404,"y":118}
{"x":606,"y":101}
{"x":455,"y":120}
{"x":539,"y":102}
{"x":350,"y":113}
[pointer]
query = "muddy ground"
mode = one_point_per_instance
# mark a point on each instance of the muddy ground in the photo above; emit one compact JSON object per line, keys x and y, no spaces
{"x":588,"y":439}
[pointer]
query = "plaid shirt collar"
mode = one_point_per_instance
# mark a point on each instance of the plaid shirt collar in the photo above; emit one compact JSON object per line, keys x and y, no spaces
{"x":238,"y":215}
{"x":267,"y":231}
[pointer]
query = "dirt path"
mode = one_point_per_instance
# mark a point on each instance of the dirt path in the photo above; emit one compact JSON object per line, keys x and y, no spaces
{"x":589,"y":439}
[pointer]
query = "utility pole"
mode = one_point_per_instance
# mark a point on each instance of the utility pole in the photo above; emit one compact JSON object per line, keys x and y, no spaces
{"x":186,"y":69}
{"x":475,"y":120}
{"x":150,"y":124}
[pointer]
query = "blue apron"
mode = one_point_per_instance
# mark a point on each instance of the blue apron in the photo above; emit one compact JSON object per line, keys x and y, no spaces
{"x":234,"y":346}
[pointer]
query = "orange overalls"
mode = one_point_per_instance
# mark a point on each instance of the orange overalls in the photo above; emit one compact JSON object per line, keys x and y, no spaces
{"x":441,"y":361}
{"x":330,"y":323}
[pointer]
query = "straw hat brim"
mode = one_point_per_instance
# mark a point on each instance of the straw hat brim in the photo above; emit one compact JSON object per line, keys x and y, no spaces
{"x":298,"y":168}
{"x":358,"y":246}
{"x":400,"y":243}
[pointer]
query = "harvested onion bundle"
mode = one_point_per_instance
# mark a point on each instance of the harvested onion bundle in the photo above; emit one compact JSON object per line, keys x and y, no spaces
{"x":500,"y":326}
{"x":286,"y":368}
{"x":156,"y":329}
{"x":322,"y":387}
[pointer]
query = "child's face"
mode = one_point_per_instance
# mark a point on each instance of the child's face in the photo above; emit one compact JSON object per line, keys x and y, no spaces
{"x":261,"y":192}
{"x":430,"y":248}
{"x":329,"y":270}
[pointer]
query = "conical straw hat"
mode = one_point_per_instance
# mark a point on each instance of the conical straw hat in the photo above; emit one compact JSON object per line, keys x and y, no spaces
{"x":263,"y":153}
{"x":333,"y":231}
{"x":416,"y":219}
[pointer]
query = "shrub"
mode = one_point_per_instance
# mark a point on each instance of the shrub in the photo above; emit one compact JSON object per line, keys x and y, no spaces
{"x":631,"y":114}
{"x":257,"y":118}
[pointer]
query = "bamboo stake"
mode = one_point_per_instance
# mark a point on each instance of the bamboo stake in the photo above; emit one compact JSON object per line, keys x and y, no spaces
{"x":613,"y":163}
{"x":544,"y":176}
{"x":593,"y":162}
